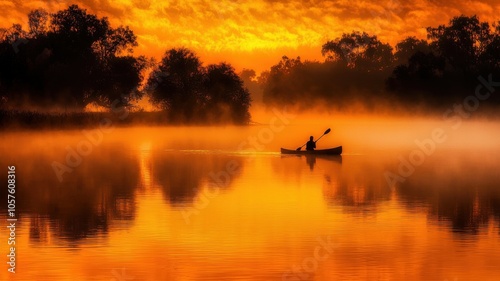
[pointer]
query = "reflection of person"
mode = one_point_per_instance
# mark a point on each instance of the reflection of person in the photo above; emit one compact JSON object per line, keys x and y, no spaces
{"x":311,"y":161}
{"x":311,"y":145}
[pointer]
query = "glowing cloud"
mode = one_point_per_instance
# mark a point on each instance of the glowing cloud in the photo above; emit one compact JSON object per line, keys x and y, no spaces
{"x":257,"y":33}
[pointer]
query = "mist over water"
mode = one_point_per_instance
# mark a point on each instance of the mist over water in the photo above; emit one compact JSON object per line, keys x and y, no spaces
{"x":414,"y":195}
{"x":221,"y":203}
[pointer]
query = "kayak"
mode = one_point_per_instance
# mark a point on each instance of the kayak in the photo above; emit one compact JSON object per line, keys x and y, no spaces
{"x":329,"y":151}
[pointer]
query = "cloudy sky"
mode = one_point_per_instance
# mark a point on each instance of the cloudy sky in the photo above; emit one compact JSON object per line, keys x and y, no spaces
{"x":256,"y":33}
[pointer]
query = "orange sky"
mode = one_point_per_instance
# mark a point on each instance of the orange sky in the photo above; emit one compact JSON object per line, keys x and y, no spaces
{"x":256,"y":33}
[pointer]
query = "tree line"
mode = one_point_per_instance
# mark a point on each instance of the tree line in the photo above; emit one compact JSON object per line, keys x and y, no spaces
{"x":71,"y":59}
{"x":359,"y":68}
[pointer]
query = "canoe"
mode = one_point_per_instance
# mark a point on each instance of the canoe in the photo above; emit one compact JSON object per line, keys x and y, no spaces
{"x":329,"y":151}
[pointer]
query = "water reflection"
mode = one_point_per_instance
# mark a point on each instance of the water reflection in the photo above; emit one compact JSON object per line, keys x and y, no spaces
{"x":39,"y":229}
{"x":99,"y":190}
{"x":311,"y":160}
{"x":124,"y":204}
{"x":104,"y":187}
{"x":181,"y":176}
{"x":460,"y":191}
{"x":358,"y":186}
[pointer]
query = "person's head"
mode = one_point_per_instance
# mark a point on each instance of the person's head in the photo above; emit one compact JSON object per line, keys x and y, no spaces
{"x":311,"y":138}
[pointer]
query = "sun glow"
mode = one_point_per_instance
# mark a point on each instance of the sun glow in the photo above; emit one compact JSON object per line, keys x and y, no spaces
{"x":255,"y":34}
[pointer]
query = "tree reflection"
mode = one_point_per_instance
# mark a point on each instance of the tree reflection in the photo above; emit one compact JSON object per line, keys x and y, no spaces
{"x":464,"y":194}
{"x":358,"y":186}
{"x":101,"y":189}
{"x":182,"y":175}
{"x":461,"y":192}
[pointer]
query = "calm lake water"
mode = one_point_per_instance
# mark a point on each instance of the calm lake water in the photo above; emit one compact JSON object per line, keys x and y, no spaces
{"x":197,"y":204}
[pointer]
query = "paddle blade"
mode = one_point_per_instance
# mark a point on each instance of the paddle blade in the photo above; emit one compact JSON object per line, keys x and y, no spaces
{"x":298,"y":149}
{"x":327,"y":131}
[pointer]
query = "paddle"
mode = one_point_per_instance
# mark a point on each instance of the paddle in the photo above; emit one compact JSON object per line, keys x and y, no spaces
{"x":326,"y":132}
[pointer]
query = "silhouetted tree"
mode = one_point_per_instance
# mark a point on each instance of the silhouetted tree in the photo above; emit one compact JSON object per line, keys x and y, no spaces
{"x":176,"y":85}
{"x":189,"y":92}
{"x":89,"y":49}
{"x":12,"y":34}
{"x":253,"y":83}
{"x":490,"y":58}
{"x":446,"y":70}
{"x":422,"y":74}
{"x":71,"y":62}
{"x":359,"y":50}
{"x":408,"y":47}
{"x":114,"y":42}
{"x":337,"y":81}
{"x":360,"y":68}
{"x":38,"y":23}
{"x":280,"y":86}
{"x":226,"y":97}
{"x":462,"y":42}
